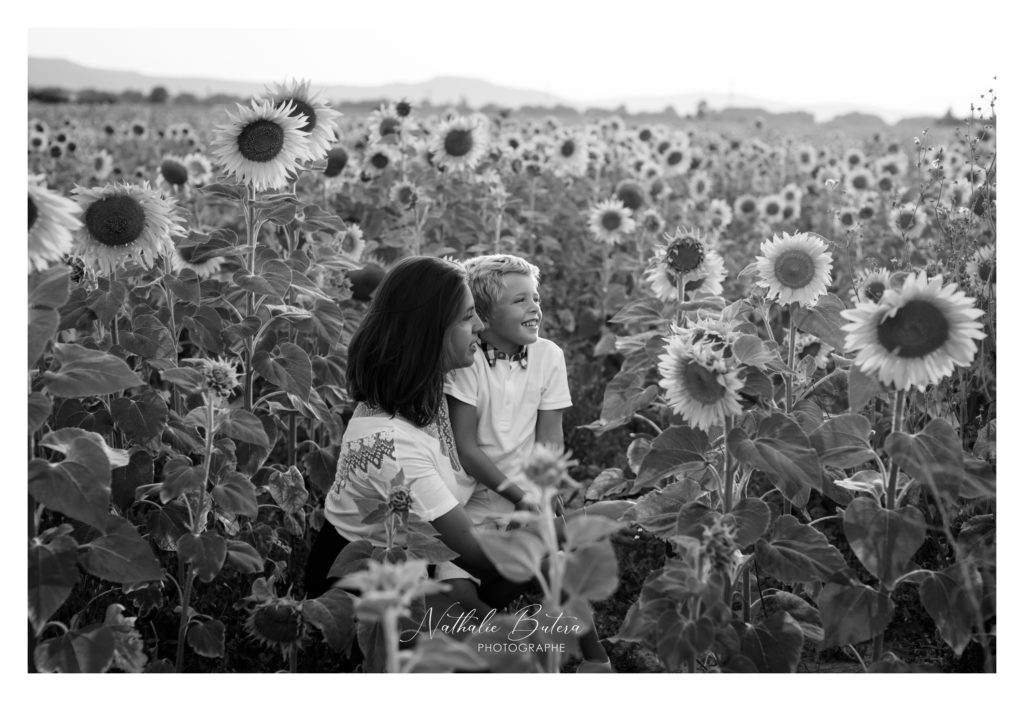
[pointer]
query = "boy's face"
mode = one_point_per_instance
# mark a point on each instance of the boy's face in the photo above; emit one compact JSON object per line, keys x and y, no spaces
{"x":515,"y":318}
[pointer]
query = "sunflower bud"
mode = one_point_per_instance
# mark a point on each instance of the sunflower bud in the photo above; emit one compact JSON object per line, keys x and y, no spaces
{"x":399,"y":500}
{"x":219,"y":377}
{"x":549,"y":467}
{"x":718,"y":544}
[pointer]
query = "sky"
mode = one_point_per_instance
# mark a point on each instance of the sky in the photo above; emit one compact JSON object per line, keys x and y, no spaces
{"x":921,"y":58}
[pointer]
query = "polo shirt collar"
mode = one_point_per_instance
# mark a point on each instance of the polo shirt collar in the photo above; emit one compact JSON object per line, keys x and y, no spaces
{"x":493,"y":355}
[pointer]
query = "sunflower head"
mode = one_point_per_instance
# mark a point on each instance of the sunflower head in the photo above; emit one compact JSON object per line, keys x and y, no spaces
{"x":337,"y":159}
{"x":795,"y":268}
{"x":916,"y":334}
{"x":220,"y":377}
{"x":548,"y":467}
{"x":277,"y":623}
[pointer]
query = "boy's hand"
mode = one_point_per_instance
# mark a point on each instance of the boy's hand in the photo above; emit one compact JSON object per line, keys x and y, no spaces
{"x":527,"y":504}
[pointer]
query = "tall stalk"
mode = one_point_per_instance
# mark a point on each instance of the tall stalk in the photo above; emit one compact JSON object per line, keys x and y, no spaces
{"x":890,"y":503}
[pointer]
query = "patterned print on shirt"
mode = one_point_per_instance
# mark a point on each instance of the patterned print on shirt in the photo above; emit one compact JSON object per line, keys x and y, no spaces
{"x":364,"y":453}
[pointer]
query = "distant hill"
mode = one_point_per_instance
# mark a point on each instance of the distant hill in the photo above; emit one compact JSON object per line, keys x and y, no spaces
{"x":475,"y":93}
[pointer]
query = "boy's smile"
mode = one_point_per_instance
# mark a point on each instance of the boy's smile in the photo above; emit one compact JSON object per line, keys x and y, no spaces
{"x":515,"y":319}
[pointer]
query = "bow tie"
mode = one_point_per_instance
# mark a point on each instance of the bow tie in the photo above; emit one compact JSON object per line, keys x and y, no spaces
{"x":493,"y":355}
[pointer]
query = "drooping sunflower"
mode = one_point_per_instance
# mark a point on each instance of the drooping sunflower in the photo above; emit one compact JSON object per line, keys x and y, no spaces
{"x":337,"y":159}
{"x":914,"y":335}
{"x":124,"y":222}
{"x":262,"y":145}
{"x":321,"y":119}
{"x":698,"y":385}
{"x":196,"y":256}
{"x":908,"y":220}
{"x":982,"y":269}
{"x":795,"y":268}
{"x":610,"y":220}
{"x":51,"y":221}
{"x":631,"y":194}
{"x":687,"y":257}
{"x":459,"y":143}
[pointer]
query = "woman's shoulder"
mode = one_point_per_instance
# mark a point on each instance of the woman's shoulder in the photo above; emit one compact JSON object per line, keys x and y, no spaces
{"x":394,"y":427}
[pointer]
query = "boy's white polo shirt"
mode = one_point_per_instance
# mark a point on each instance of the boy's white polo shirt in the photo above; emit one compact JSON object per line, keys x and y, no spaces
{"x":507,"y":398}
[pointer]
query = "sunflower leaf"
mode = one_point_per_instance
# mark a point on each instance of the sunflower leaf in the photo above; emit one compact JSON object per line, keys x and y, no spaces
{"x":823,"y":320}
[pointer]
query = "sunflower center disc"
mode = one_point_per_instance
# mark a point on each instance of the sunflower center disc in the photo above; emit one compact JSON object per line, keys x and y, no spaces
{"x":906,"y":220}
{"x":794,"y":269}
{"x":860,"y":182}
{"x":117,"y":220}
{"x":379,"y":160}
{"x":685,"y":256}
{"x":674,"y":158}
{"x":917,"y":329}
{"x":611,"y":221}
{"x":458,"y":142}
{"x":701,"y":384}
{"x":874,"y":291}
{"x":174,"y":172}
{"x":748,"y":206}
{"x":772,"y":208}
{"x":302,"y":108}
{"x":33,"y":213}
{"x":568,"y":148}
{"x":261,"y":141}
{"x":985,"y":269}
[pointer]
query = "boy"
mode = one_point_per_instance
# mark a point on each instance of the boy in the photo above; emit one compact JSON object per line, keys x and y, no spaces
{"x":511,"y":398}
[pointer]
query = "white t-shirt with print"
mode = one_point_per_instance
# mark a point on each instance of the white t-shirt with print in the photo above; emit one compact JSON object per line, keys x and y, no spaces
{"x":373,"y":449}
{"x":507,"y":398}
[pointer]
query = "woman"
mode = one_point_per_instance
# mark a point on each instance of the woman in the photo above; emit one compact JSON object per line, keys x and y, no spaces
{"x":421,"y":323}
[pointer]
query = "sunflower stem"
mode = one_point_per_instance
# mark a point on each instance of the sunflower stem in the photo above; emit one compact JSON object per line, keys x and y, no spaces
{"x":187,"y":575}
{"x":249,"y":213}
{"x":791,"y":358}
{"x":390,"y":624}
{"x":729,"y":476}
{"x":890,"y":503}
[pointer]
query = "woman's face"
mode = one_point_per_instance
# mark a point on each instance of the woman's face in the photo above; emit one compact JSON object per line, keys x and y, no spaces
{"x":460,"y":340}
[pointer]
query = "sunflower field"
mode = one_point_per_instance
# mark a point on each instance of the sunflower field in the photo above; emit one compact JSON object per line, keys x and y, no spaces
{"x":780,"y":342}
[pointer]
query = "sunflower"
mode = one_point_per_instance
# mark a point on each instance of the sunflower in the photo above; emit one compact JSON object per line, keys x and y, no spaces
{"x":384,"y":122}
{"x":277,"y":623}
{"x":677,"y":160}
{"x":124,"y":221}
{"x":196,"y":257}
{"x":337,"y":159}
{"x":173,"y":173}
{"x":631,"y":194}
{"x":894,"y":164}
{"x":770,"y":208}
{"x":51,"y":219}
{"x":568,"y":154}
{"x":200,"y":170}
{"x":686,"y":256}
{"x":795,"y":268}
{"x":699,"y":186}
{"x":138,"y":129}
{"x":698,"y":385}
{"x":459,"y":143}
{"x":718,"y":215}
{"x":914,"y":335}
{"x":652,"y":222}
{"x":972,"y":174}
{"x":853,"y":158}
{"x":809,"y":346}
{"x":792,"y":194}
{"x":36,"y":142}
{"x":870,"y":285}
{"x":377,"y":159}
{"x":745,"y":207}
{"x":261,"y":145}
{"x":860,"y":179}
{"x":320,"y":118}
{"x":908,"y":220}
{"x":982,"y":269}
{"x":847,"y":217}
{"x":806,"y":158}
{"x":102,"y":165}
{"x":350,"y":242}
{"x":404,"y":194}
{"x":610,"y":220}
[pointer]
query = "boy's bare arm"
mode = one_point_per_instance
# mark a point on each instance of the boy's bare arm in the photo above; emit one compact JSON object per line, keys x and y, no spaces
{"x":474,"y":460}
{"x":549,"y":427}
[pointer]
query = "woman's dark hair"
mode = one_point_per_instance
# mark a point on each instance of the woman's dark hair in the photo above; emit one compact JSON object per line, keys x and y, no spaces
{"x":396,"y":358}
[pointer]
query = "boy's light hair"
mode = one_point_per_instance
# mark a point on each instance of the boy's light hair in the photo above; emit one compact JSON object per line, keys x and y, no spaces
{"x":486,"y":278}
